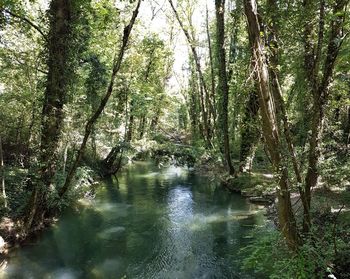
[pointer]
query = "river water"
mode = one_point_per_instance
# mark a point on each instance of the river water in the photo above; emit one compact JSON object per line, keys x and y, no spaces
{"x":152,"y":223}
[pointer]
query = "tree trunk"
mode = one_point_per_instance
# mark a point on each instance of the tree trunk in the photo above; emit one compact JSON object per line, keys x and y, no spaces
{"x":277,"y":93}
{"x":30,"y":130}
{"x":347,"y":128}
{"x":2,"y":175}
{"x":212,"y":107}
{"x":319,"y":87}
{"x":193,"y":107}
{"x":109,"y":165}
{"x":60,"y":38}
{"x":222,"y":88}
{"x":250,"y":132}
{"x":270,"y":126}
{"x":130,"y":130}
{"x":143,"y":120}
{"x":203,"y":86}
{"x":155,"y":119}
{"x":142,"y":126}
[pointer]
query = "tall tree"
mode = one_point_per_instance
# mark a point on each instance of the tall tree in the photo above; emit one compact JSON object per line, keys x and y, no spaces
{"x":281,"y":112}
{"x":319,"y":84}
{"x":250,"y":132}
{"x":270,"y":125}
{"x":222,"y":87}
{"x":212,"y":103}
{"x":60,"y":40}
{"x":203,"y":86}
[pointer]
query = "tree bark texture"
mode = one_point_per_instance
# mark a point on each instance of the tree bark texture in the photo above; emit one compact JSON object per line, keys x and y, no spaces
{"x":250,"y":132}
{"x":222,"y":87}
{"x":2,"y":175}
{"x":277,"y":93}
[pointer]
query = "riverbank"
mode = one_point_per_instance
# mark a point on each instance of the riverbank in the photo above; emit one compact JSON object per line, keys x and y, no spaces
{"x":12,"y":233}
{"x":257,"y":185}
{"x":327,"y":245}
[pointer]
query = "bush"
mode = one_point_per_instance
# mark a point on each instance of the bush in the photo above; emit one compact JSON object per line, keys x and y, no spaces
{"x":269,"y":255}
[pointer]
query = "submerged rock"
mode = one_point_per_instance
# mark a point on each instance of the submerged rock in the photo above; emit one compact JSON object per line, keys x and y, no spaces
{"x":64,"y":273}
{"x":111,"y":233}
{"x":261,"y":200}
{"x":109,"y":268}
{"x":248,"y":193}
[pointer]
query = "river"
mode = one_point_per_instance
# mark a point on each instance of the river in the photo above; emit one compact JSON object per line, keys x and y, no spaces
{"x":150,"y":223}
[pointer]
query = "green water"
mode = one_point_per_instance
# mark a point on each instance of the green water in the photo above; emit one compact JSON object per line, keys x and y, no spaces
{"x":153,"y":223}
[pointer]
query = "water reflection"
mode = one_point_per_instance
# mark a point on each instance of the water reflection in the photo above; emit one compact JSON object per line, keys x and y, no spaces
{"x":151,"y":223}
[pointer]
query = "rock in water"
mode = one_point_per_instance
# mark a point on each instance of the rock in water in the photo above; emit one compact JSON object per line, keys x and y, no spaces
{"x":260,"y":200}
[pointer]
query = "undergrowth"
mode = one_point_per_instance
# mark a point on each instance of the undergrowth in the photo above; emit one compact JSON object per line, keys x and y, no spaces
{"x":324,"y":253}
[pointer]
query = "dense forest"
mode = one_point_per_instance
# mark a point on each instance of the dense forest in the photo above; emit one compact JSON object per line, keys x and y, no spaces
{"x":254,"y":95}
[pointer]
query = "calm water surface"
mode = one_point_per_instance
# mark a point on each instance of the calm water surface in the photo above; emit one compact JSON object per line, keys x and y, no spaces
{"x":153,"y":223}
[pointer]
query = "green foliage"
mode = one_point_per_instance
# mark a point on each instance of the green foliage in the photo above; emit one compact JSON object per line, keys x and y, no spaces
{"x":316,"y":258}
{"x":269,"y":255}
{"x":16,"y":191}
{"x":83,"y":188}
{"x":170,"y":153}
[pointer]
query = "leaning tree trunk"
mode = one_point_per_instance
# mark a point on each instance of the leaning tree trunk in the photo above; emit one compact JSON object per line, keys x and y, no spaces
{"x":203,"y":86}
{"x":270,"y":126}
{"x":281,"y":111}
{"x":193,"y":110}
{"x":91,"y":122}
{"x":222,"y":88}
{"x":60,"y":39}
{"x":319,"y":87}
{"x":142,"y":126}
{"x":275,"y":84}
{"x":130,"y":131}
{"x":347,"y":128}
{"x":113,"y":161}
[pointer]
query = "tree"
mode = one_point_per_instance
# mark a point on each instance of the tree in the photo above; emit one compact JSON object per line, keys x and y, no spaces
{"x":250,"y":132}
{"x":204,"y":94}
{"x":58,"y":77}
{"x":270,"y":125}
{"x":222,"y":88}
{"x":319,"y":86}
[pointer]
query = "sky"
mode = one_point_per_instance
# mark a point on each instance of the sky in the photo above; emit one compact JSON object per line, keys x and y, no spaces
{"x":157,"y":16}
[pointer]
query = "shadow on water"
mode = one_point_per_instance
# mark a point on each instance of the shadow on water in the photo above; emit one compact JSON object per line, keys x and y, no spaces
{"x":149,"y":223}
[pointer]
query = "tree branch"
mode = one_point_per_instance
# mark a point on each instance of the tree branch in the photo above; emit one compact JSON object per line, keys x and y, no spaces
{"x":36,"y":27}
